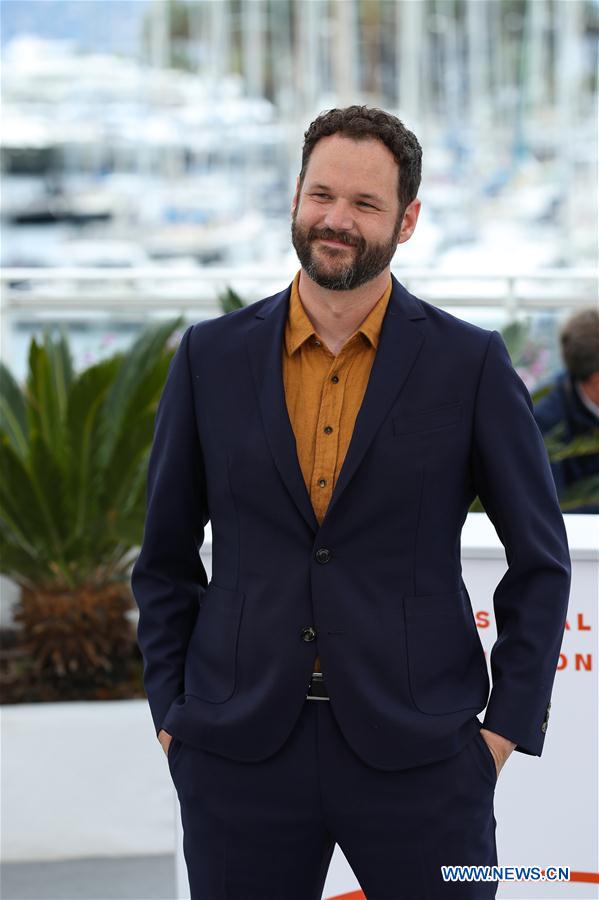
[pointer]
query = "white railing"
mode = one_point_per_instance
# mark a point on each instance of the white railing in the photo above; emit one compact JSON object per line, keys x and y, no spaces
{"x":126,"y":291}
{"x":32,"y":297}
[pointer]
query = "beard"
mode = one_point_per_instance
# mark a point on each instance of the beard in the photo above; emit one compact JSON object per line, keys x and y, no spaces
{"x":339,"y":269}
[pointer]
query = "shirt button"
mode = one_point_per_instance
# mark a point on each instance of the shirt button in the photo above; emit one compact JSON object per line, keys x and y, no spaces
{"x":316,"y":342}
{"x":335,"y":379}
{"x":322,"y":482}
{"x":327,"y":429}
{"x":323,"y":555}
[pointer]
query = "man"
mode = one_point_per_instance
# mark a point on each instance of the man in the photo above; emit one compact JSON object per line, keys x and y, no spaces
{"x":324,"y":687}
{"x":572,"y":406}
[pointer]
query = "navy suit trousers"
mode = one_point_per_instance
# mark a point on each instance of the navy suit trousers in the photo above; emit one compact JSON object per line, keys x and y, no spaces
{"x":266,"y":830}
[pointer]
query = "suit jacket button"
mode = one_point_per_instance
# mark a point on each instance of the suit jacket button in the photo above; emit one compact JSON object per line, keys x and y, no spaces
{"x":323,"y":555}
{"x":308,"y":634}
{"x":544,"y":727}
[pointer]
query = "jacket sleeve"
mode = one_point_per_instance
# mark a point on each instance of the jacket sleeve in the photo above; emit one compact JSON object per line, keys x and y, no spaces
{"x":513,"y":479}
{"x":169,"y":576}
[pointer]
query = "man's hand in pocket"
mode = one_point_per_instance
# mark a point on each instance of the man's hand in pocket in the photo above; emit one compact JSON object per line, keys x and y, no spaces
{"x":165,"y":739}
{"x":500,"y":747}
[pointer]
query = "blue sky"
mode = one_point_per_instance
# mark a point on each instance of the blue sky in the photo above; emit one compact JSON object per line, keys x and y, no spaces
{"x":96,"y":25}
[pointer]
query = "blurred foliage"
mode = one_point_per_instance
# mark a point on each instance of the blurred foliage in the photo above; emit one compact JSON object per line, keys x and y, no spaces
{"x":73,"y":453}
{"x":230,"y":300}
{"x":586,"y":491}
{"x":515,"y":336}
{"x":582,"y":445}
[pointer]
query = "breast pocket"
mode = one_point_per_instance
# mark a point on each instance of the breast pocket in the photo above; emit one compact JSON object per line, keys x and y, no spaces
{"x":446,"y":663}
{"x":211,"y":659}
{"x":429,"y":419}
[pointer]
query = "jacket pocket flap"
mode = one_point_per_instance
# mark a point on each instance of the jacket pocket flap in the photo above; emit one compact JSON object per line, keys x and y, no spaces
{"x":425,"y":419}
{"x":433,"y":606}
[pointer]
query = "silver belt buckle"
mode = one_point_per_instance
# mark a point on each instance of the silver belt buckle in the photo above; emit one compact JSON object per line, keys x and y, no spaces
{"x":316,"y":688}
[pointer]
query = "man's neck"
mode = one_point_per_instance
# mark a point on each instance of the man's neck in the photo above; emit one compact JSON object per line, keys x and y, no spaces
{"x":336,"y":314}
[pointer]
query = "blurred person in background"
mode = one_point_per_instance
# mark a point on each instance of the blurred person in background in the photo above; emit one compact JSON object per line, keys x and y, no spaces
{"x":572,"y":405}
{"x":335,"y":434}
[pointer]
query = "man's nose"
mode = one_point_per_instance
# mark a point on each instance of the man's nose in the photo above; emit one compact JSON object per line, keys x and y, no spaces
{"x":339,"y":216}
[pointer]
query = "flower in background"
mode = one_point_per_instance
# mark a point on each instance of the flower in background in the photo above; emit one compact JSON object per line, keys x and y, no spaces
{"x":533,"y":364}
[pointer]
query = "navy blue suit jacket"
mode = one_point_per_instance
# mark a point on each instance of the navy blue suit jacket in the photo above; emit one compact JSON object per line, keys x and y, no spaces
{"x":445,"y":417}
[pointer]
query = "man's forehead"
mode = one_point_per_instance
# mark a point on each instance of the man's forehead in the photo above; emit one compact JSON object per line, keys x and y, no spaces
{"x":335,"y":145}
{"x":336,"y":152}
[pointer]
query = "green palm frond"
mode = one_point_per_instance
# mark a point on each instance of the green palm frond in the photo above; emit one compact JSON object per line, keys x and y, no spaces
{"x":73,"y":453}
{"x":515,"y":335}
{"x":230,"y":300}
{"x":61,"y":363}
{"x":23,"y":521}
{"x":581,"y":445}
{"x":123,"y":396}
{"x":541,"y":392}
{"x":584,"y":493}
{"x":13,"y":413}
{"x":84,"y":435}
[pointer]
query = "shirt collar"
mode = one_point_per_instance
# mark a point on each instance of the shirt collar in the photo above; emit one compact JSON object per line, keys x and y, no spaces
{"x":299,"y":327}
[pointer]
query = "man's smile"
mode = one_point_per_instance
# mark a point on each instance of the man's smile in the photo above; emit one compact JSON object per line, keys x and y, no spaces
{"x":333,"y":243}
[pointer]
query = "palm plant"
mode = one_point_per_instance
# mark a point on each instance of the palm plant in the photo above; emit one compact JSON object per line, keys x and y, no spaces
{"x":73,"y":455}
{"x":230,"y":300}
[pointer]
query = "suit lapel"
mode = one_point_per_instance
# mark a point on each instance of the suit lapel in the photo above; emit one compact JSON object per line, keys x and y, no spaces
{"x":400,"y":342}
{"x":265,"y":348}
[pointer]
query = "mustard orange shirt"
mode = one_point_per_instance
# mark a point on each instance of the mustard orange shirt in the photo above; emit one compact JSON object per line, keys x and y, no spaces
{"x":324,"y":392}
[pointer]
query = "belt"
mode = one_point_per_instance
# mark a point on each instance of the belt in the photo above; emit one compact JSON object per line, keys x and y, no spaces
{"x":317,"y":689}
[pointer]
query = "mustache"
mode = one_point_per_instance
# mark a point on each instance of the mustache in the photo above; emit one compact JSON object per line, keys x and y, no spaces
{"x":331,"y":236}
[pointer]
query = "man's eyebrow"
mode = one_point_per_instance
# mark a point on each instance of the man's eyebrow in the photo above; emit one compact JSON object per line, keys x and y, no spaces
{"x":324,"y":187}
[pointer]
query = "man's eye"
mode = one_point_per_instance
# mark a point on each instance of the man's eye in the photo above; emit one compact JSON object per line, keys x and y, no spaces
{"x":360,"y":202}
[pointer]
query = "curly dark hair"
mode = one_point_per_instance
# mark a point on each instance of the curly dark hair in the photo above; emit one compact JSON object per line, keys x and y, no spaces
{"x":579,"y":338}
{"x":362,"y":122}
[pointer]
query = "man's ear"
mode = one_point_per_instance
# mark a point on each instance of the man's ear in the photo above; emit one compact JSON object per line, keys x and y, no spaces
{"x":410,"y":217}
{"x":295,"y":200}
